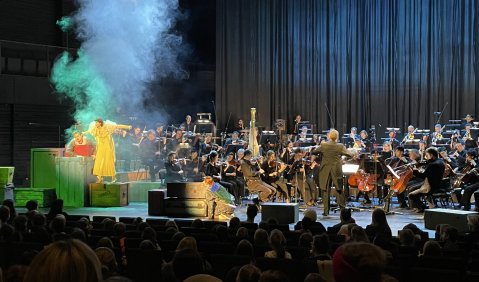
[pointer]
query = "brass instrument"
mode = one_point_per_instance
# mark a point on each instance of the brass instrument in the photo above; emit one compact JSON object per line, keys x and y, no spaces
{"x":253,"y":142}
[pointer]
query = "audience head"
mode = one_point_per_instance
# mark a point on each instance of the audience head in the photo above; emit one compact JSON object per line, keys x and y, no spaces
{"x":432,"y":249}
{"x":251,"y":212}
{"x":197,"y":223}
{"x":358,"y":261}
{"x":379,"y":218}
{"x":119,"y":229}
{"x":261,"y":237}
{"x":11,"y":205}
{"x":320,"y":244}
{"x":105,"y":242}
{"x":242,"y":232}
{"x":108,"y":261}
{"x":56,"y":208}
{"x":406,"y":237}
{"x":20,"y":223}
{"x":171,"y":223}
{"x":70,"y":260}
{"x":358,"y":234}
{"x":273,"y":276}
{"x":147,"y":245}
{"x":244,"y":248}
{"x":4,"y":213}
{"x":234,"y":223}
{"x":39,"y":220}
{"x":190,"y":258}
{"x":248,"y":273}
{"x":108,"y":224}
{"x":31,"y":205}
{"x":58,"y":223}
{"x":221,"y":232}
{"x":311,"y":214}
{"x":78,"y":233}
{"x":305,"y":240}
{"x":345,"y":215}
{"x":473,"y":222}
{"x":187,"y":243}
{"x":277,"y":242}
{"x":314,"y":277}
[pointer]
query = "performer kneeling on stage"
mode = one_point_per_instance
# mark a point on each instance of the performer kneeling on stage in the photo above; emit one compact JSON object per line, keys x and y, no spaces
{"x":219,"y":200}
{"x":105,"y":148}
{"x":331,"y":169}
{"x":80,"y":146}
{"x":252,"y":174}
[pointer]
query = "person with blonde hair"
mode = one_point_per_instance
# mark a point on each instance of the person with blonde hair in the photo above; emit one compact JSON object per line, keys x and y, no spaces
{"x":330,"y":170}
{"x":65,"y":261}
{"x":277,"y":242}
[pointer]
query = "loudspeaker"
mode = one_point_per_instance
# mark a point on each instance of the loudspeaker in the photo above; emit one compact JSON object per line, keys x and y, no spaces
{"x":186,"y":190}
{"x":455,"y":218}
{"x":285,"y":213}
{"x":186,"y":207}
{"x":156,"y":201}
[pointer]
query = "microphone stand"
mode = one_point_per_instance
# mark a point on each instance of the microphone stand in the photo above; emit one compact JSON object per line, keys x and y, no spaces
{"x":216,"y":117}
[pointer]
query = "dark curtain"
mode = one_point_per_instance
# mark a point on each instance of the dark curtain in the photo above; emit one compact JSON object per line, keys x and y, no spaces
{"x":371,"y":62}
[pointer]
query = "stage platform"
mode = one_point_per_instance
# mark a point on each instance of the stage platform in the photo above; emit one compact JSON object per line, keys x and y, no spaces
{"x":363,"y":217}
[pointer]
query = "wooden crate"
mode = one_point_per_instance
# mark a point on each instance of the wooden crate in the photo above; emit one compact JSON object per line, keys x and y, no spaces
{"x":44,"y":196}
{"x":73,"y":176}
{"x":185,"y":207}
{"x":109,"y":195}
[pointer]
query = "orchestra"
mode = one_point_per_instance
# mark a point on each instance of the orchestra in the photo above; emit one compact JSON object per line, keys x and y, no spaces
{"x":294,"y":164}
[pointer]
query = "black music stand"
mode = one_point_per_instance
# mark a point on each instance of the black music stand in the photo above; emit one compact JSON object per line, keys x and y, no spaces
{"x":233,"y":148}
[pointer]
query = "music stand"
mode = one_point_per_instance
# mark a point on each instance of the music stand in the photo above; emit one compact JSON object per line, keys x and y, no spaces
{"x":233,"y":148}
{"x":388,"y":202}
{"x":348,"y":169}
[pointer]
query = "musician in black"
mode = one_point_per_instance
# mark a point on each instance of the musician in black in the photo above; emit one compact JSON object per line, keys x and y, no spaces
{"x":299,"y":173}
{"x":413,"y":184}
{"x":296,"y":127}
{"x":392,"y":139}
{"x":273,"y":170}
{"x":387,"y":152}
{"x":287,"y":153}
{"x":398,"y":161}
{"x":174,"y":172}
{"x":459,"y":156}
{"x":432,"y":176}
{"x":214,"y":170}
{"x":188,"y":125}
{"x":252,"y":174}
{"x":150,"y":154}
{"x":194,"y":168}
{"x":469,"y":179}
{"x":229,"y":174}
{"x":366,"y":143}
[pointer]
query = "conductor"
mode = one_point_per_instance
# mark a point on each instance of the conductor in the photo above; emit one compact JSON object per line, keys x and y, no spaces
{"x":331,"y":169}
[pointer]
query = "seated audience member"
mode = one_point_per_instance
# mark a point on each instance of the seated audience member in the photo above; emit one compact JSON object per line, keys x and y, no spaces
{"x":312,"y":225}
{"x":62,"y":261}
{"x":314,"y":277}
{"x":147,"y":245}
{"x":39,"y":231}
{"x":305,"y":240}
{"x":176,"y":269}
{"x":449,"y":239}
{"x":105,"y":242}
{"x":273,"y":276}
{"x":109,"y":266}
{"x":345,"y":218}
{"x":187,"y":243}
{"x":14,"y":273}
{"x":251,"y":213}
{"x":11,"y":206}
{"x":345,"y":231}
{"x":150,"y":234}
{"x":358,"y":234}
{"x":431,"y":249}
{"x":56,"y":208}
{"x":320,"y":247}
{"x":221,"y":232}
{"x":260,"y":237}
{"x":358,"y":262}
{"x":32,"y":205}
{"x":248,"y":273}
{"x":277,"y":243}
{"x":407,"y":238}
{"x":78,"y":233}
{"x":197,"y":223}
{"x":379,"y":226}
{"x":57,"y":227}
{"x":4,"y":214}
{"x":233,"y":225}
{"x":242,"y":233}
{"x":20,"y":226}
{"x":244,"y":248}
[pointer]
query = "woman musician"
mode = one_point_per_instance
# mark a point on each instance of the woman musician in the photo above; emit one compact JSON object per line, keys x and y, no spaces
{"x":214,"y":170}
{"x":299,"y":173}
{"x":273,"y":170}
{"x":174,"y":172}
{"x":229,"y":174}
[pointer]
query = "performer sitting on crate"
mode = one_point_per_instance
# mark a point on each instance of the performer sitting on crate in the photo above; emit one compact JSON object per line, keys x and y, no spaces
{"x":220,"y":203}
{"x":105,"y":148}
{"x":79,"y":146}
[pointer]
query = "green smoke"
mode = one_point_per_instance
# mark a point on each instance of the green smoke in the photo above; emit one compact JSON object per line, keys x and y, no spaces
{"x":78,"y":80}
{"x":65,"y":23}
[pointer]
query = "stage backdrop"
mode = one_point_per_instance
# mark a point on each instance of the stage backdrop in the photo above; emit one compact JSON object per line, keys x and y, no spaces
{"x":370,"y":62}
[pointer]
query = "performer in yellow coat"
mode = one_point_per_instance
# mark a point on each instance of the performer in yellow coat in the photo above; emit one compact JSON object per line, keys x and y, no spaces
{"x":105,"y":148}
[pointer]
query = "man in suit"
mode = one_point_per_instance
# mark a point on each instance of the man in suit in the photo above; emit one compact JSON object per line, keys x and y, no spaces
{"x":432,"y":178}
{"x":330,"y":170}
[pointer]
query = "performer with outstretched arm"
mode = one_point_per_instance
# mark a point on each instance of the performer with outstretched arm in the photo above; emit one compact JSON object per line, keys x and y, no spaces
{"x":105,"y":148}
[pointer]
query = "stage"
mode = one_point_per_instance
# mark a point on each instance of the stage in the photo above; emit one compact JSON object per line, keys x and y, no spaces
{"x":363,"y":217}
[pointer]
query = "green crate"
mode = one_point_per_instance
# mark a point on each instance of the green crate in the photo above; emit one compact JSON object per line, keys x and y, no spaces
{"x":109,"y":195}
{"x":73,"y":176}
{"x":6,"y":175}
{"x":44,"y":196}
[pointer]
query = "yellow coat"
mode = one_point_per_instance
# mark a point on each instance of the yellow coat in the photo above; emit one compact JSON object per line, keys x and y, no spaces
{"x":105,"y":149}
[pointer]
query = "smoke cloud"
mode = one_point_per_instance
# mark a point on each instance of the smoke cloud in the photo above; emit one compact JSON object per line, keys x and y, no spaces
{"x":126,"y":44}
